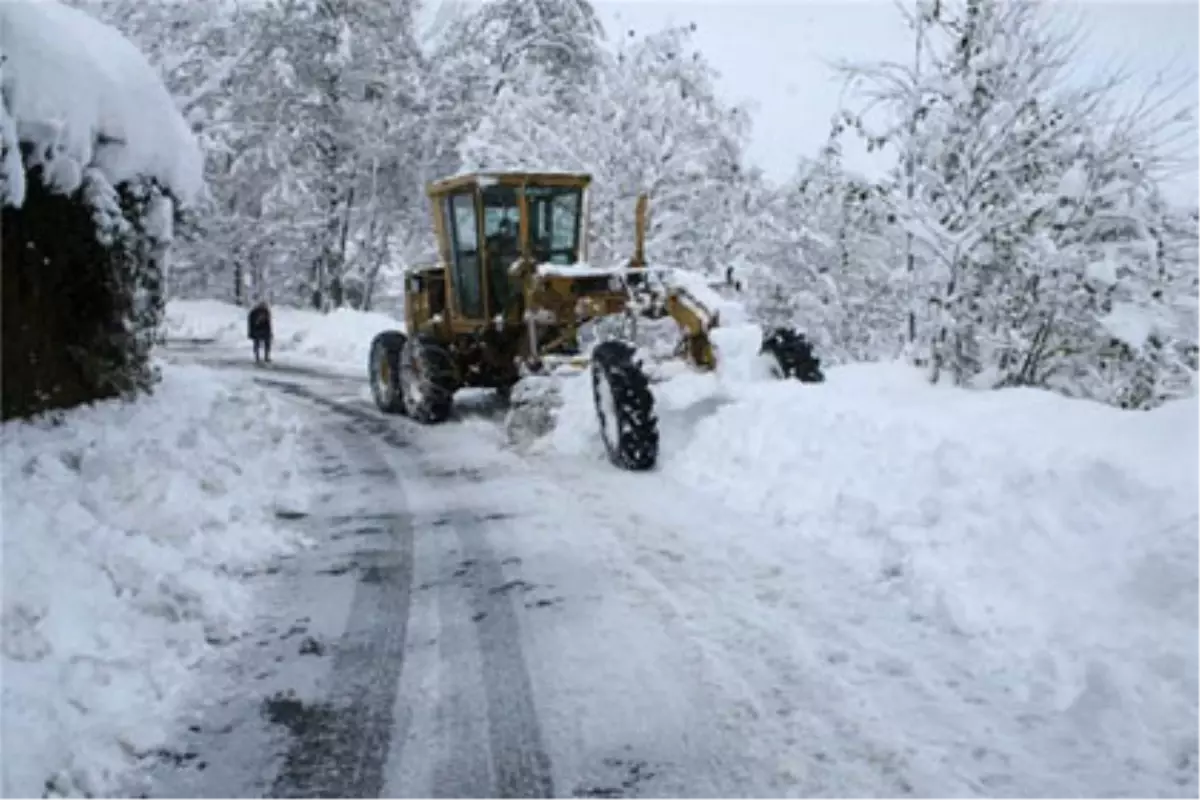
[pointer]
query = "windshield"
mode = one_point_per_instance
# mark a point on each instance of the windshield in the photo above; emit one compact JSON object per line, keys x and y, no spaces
{"x":500,"y":212}
{"x":501,"y":228}
{"x":554,"y":223}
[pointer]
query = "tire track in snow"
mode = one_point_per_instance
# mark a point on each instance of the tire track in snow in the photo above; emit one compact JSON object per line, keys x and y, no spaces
{"x":464,"y":768}
{"x":520,"y":764}
{"x":341,"y":747}
{"x":371,"y":423}
{"x":519,"y":759}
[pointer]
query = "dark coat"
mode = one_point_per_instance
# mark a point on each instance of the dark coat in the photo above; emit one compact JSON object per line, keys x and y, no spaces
{"x":258,"y":323}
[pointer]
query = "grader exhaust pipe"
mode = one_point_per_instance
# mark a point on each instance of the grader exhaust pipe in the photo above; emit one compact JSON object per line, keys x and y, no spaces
{"x":639,"y":232}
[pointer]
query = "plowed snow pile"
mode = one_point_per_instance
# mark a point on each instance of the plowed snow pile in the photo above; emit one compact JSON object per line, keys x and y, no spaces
{"x":1055,"y":539}
{"x":125,"y":529}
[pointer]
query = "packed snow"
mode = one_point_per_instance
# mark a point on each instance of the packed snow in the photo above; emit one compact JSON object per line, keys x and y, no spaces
{"x":341,"y":339}
{"x":126,"y":526}
{"x":1054,"y":539}
{"x":85,"y":96}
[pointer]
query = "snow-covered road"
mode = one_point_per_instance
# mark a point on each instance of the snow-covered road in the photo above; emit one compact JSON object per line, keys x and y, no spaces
{"x":478,"y":623}
{"x":473,"y":626}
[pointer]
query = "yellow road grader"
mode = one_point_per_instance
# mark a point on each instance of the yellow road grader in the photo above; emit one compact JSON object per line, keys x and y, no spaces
{"x":513,"y":295}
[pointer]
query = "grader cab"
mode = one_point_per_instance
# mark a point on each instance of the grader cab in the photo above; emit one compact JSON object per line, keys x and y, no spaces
{"x":512,"y":293}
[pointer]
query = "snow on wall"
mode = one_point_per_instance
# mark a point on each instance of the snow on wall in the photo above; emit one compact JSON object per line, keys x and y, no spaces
{"x":83,"y":95}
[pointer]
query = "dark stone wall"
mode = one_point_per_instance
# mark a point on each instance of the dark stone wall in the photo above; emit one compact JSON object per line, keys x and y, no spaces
{"x":81,"y":299}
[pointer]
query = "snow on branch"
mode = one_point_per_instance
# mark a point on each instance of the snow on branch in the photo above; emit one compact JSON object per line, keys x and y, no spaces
{"x":1015,"y":178}
{"x":81,"y":96}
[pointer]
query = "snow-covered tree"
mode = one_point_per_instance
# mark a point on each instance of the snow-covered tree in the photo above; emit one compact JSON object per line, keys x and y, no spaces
{"x":315,"y":140}
{"x":198,"y":47}
{"x":825,"y":260}
{"x":222,"y":63}
{"x":89,"y":187}
{"x":561,"y":37}
{"x":348,"y":78}
{"x":1122,"y":326}
{"x":652,"y":123}
{"x":1006,"y":169}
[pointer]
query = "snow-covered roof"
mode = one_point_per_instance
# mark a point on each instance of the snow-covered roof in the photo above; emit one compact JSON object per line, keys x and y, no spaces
{"x":78,"y":89}
{"x":501,"y":173}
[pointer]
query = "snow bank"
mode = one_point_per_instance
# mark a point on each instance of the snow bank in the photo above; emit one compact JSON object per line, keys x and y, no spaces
{"x":1058,"y":534}
{"x":1058,"y":537}
{"x":125,"y":529}
{"x":341,"y":337}
{"x":84,"y":95}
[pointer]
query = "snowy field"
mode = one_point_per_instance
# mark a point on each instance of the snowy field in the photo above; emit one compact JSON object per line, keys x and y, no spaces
{"x":125,"y":528}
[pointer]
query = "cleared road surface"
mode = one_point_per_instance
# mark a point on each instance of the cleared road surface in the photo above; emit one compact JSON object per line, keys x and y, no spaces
{"x":470,"y":622}
{"x":464,"y":625}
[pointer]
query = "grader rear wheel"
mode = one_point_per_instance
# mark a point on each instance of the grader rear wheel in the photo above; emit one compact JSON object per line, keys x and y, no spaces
{"x":383,"y":367}
{"x":792,"y":356}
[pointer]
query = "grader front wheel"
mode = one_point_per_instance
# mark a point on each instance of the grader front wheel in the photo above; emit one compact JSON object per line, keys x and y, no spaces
{"x":624,"y":407}
{"x":792,"y":356}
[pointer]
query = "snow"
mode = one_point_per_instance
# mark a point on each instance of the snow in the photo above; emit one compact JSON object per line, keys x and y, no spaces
{"x":994,"y":592}
{"x":990,"y":594}
{"x":738,"y":358}
{"x":1040,"y":550}
{"x":1103,"y":272}
{"x":579,"y":270}
{"x":12,"y":172}
{"x":488,"y":177}
{"x":340,"y":339}
{"x":695,"y":284}
{"x":125,"y":528}
{"x":1130,"y":323}
{"x":69,"y":82}
{"x":1074,"y":182}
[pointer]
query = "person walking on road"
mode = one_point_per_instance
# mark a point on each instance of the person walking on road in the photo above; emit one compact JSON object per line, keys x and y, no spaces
{"x":258,"y":324}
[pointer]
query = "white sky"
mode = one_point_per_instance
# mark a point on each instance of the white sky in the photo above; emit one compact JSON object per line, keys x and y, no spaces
{"x":773,"y":53}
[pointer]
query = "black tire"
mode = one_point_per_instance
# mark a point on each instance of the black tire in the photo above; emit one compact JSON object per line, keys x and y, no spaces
{"x":504,"y":393}
{"x":383,"y":369}
{"x":427,"y":380}
{"x":793,"y":355}
{"x":624,"y":406}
